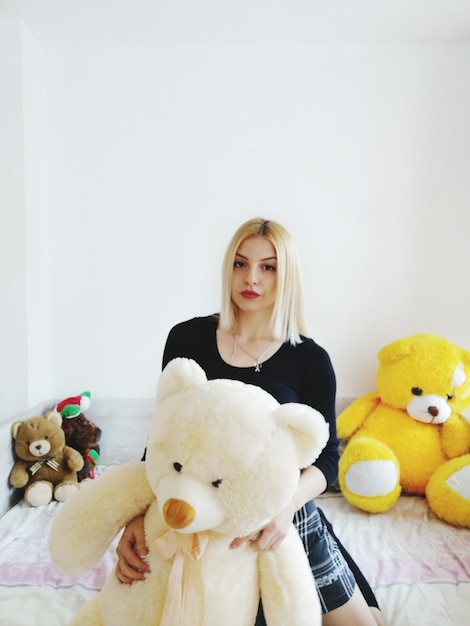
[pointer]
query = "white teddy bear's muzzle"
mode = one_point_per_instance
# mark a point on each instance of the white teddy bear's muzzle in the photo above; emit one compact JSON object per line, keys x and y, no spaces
{"x":189,"y":505}
{"x":430,"y":409}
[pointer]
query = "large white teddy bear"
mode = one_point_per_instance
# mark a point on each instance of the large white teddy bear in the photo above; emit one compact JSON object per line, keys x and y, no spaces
{"x":223,"y":458}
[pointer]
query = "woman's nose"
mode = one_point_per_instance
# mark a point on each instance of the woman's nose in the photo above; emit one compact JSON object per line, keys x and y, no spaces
{"x":252,"y":277}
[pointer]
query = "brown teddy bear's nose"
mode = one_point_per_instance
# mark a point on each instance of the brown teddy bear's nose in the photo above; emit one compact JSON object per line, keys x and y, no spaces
{"x":178,"y":513}
{"x":433,"y":410}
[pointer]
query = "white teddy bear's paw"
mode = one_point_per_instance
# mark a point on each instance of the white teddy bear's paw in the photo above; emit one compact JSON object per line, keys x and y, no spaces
{"x":63,"y":492}
{"x":39,"y":493}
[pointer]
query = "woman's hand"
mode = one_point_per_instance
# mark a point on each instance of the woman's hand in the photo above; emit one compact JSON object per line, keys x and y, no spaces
{"x":271,"y":535}
{"x":131,"y":551}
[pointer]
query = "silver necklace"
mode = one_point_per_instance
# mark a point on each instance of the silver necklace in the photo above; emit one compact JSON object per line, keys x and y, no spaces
{"x":256,"y":359}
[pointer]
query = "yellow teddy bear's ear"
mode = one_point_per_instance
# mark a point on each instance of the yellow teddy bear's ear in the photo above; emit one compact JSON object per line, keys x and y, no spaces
{"x":465,"y":356}
{"x":461,"y":382}
{"x":179,"y":374}
{"x":397,"y":350}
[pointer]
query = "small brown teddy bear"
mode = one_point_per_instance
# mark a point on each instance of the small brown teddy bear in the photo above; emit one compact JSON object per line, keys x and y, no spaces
{"x":46,"y":466}
{"x":83,"y":435}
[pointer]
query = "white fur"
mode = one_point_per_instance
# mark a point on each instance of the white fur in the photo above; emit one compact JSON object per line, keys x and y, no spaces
{"x":231,"y":455}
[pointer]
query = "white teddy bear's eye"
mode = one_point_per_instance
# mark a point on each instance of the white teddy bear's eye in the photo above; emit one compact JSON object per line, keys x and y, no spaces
{"x":178,"y":467}
{"x":217,"y":483}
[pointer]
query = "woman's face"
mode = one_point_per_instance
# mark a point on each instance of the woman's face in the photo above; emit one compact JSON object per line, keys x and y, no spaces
{"x":254,"y":276}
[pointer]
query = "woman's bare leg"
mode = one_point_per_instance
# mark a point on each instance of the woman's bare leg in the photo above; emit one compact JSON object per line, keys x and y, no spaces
{"x":354,"y":613}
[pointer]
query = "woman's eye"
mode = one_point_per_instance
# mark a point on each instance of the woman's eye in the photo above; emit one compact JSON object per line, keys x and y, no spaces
{"x":238,"y":264}
{"x":269,"y":268}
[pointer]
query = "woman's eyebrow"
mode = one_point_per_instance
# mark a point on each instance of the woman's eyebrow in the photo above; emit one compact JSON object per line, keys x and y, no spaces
{"x":268,"y":258}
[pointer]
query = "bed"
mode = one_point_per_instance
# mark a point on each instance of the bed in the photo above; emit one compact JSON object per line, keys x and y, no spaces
{"x":418,"y":565}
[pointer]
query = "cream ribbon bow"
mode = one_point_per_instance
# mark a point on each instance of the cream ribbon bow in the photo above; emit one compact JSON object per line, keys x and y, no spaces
{"x":184,"y":602}
{"x":49,"y":461}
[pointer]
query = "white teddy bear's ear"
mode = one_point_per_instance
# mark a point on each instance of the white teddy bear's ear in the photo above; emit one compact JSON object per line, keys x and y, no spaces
{"x":179,"y":374}
{"x":309,"y":430}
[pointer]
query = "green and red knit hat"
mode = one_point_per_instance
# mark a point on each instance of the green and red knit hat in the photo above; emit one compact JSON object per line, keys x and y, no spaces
{"x":71,"y":407}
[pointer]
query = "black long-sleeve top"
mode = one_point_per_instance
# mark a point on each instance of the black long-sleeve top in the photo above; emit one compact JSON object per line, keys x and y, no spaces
{"x":295,"y":373}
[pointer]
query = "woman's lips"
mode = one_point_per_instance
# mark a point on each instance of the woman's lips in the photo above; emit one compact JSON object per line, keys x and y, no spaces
{"x":249,"y":295}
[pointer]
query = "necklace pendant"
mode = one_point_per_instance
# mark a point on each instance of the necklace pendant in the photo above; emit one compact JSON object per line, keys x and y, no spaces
{"x":257,"y":366}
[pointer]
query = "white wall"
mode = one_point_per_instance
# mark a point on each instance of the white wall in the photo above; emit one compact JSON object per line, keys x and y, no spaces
{"x":25,"y":366}
{"x":13,"y":323}
{"x":40,"y":251}
{"x":156,"y":154}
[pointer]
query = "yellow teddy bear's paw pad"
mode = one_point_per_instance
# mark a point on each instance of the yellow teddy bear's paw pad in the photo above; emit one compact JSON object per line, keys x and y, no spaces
{"x":369,"y":475}
{"x":448,"y":491}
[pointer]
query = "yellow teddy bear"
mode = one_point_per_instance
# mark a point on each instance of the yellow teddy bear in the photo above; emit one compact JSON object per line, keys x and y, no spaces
{"x":411,"y":434}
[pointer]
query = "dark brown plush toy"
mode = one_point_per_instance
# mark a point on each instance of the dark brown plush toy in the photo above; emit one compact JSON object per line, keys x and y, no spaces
{"x":83,"y":435}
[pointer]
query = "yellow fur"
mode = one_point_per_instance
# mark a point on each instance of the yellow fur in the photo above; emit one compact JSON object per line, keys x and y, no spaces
{"x":411,"y":422}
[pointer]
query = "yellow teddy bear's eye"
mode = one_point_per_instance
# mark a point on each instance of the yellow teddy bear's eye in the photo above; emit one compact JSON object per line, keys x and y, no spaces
{"x":417,"y":391}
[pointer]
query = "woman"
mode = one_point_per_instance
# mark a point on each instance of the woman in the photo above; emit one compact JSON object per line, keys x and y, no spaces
{"x":260,"y":338}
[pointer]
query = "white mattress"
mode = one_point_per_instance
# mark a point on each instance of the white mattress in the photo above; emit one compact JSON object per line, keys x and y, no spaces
{"x":33,"y":592}
{"x":418,"y":566}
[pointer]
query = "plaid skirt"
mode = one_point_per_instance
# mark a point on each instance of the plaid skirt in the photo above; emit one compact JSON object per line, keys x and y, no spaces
{"x":333,"y":577}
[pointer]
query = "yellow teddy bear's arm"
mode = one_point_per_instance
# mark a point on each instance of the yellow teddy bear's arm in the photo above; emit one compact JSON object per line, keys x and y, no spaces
{"x":354,"y":415}
{"x":455,"y":436}
{"x":86,"y":524}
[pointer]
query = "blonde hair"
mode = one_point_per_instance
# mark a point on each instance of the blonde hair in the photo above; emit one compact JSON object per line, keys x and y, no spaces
{"x":288,"y":318}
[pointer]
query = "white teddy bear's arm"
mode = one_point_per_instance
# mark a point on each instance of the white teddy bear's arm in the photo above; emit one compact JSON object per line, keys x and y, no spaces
{"x":288,"y":590}
{"x":87,"y":523}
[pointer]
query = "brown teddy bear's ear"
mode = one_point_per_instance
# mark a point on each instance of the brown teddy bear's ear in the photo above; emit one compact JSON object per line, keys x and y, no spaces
{"x":14,"y":429}
{"x":54,"y":416}
{"x":179,"y":374}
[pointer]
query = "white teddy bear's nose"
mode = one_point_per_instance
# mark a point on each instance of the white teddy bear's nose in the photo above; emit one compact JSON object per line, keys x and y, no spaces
{"x":178,"y":514}
{"x":188,"y":504}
